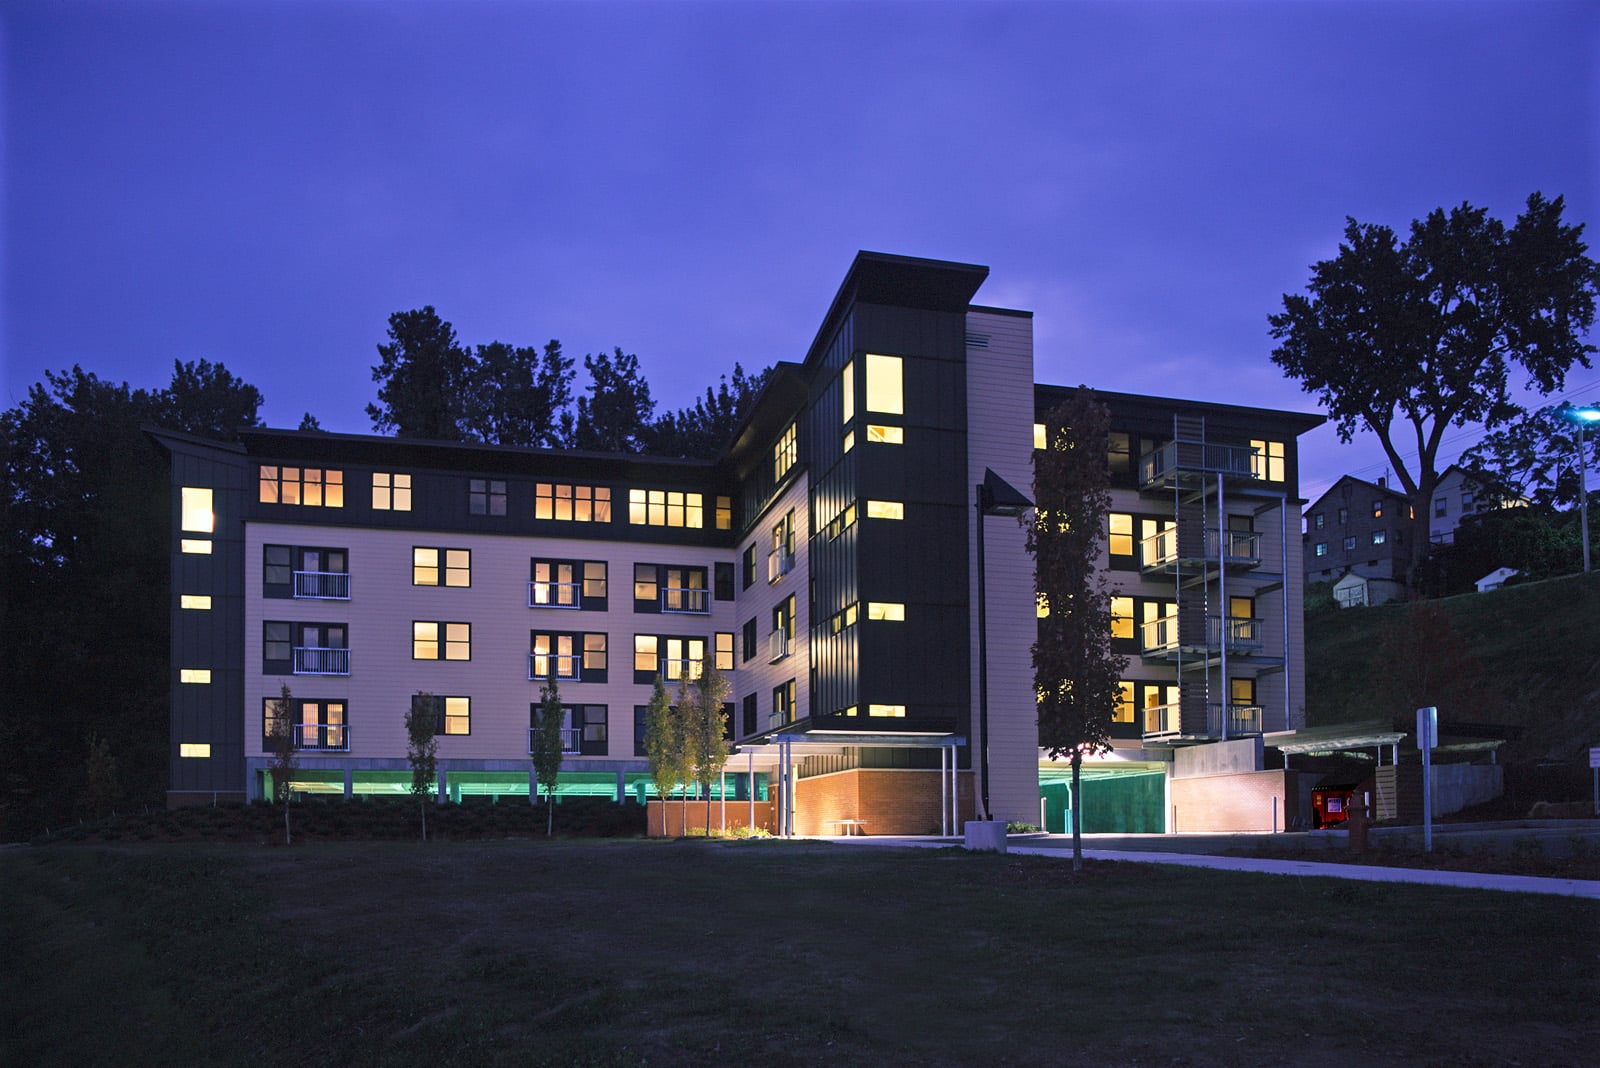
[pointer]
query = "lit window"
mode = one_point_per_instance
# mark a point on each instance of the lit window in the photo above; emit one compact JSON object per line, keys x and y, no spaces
{"x":195,"y":750}
{"x":551,"y":656}
{"x":391,"y":492}
{"x":426,"y":569}
{"x":1120,"y":526}
{"x":724,"y":650}
{"x":486,"y":496}
{"x":441,"y":641}
{"x":886,"y":435}
{"x":886,"y":510}
{"x":594,"y":652}
{"x":1123,"y":712}
{"x":886,"y":610}
{"x":197,"y":601}
{"x":724,"y":513}
{"x":1377,"y":509}
{"x":197,"y":676}
{"x":887,"y":711}
{"x":313,"y":487}
{"x":645,"y":649}
{"x":455,"y":715}
{"x":197,"y":515}
{"x":849,"y":440}
{"x":784,"y":454}
{"x":1267,"y":462}
{"x":576,"y":504}
{"x":666,"y":508}
{"x":847,"y":382}
{"x":1122,"y":617}
{"x":1039,"y":441}
{"x":1379,"y":537}
{"x":1041,"y":605}
{"x":884,"y":392}
{"x":1320,"y":549}
{"x":196,"y":546}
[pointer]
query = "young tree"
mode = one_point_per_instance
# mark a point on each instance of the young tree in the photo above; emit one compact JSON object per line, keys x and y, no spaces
{"x":547,"y":751}
{"x":424,"y":376}
{"x":705,"y":732}
{"x":1074,"y":669}
{"x":422,"y":723}
{"x":1533,"y":459}
{"x":280,"y":745}
{"x":663,"y":745}
{"x":521,"y":396}
{"x":1407,"y":340}
{"x":704,"y":430}
{"x":616,"y":416}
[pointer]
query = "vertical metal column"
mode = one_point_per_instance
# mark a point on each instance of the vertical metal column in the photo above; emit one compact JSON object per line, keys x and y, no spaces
{"x":751,"y":764}
{"x":1224,"y":621}
{"x":1288,"y":661}
{"x":944,"y":796}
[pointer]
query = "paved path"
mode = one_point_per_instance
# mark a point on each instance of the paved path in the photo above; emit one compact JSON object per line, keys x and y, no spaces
{"x":1060,"y":846}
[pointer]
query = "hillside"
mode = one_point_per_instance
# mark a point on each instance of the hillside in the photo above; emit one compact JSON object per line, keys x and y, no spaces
{"x":1538,"y":644}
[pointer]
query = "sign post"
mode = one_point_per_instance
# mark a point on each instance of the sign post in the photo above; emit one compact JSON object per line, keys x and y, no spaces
{"x":1427,"y":739}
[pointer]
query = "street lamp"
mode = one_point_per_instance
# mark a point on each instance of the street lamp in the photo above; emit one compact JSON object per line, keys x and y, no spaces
{"x":995,"y":497}
{"x":1581,"y":417}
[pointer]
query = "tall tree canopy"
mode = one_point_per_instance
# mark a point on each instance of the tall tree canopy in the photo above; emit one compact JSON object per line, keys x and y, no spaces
{"x":521,"y":396}
{"x":615,"y":417}
{"x":1408,"y":339}
{"x":704,"y":430}
{"x":1075,"y":671}
{"x":424,"y":378}
{"x":1534,"y":459}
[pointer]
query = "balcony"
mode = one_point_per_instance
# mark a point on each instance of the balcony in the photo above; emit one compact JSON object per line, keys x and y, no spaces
{"x":322,"y":585}
{"x":322,"y":737}
{"x":565,"y":666}
{"x":778,"y":718}
{"x":570,"y":737}
{"x":1159,"y":637}
{"x":1242,"y":720}
{"x":1179,"y":461}
{"x":555,"y":595}
{"x":680,"y":600}
{"x":777,"y":646}
{"x":1234,"y":549}
{"x":320,"y":661}
{"x":679,"y":670}
{"x":779,"y":563}
{"x":1160,"y":722}
{"x":1243,"y":636}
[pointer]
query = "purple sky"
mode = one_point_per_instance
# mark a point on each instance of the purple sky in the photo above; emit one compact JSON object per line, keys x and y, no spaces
{"x":261,"y":184}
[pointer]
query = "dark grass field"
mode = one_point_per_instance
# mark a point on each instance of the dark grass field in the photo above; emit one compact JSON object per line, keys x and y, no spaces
{"x":709,"y":953}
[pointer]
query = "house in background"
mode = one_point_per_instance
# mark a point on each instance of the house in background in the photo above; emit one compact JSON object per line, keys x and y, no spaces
{"x":827,"y":562}
{"x":1454,"y":498}
{"x":1496,"y":578}
{"x":1356,"y":536}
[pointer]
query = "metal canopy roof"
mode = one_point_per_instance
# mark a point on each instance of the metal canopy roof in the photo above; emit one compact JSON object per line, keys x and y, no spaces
{"x":1335,"y":738}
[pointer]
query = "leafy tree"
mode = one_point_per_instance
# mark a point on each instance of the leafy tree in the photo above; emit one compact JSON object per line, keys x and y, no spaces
{"x":705,"y":732}
{"x":663,"y":745}
{"x":521,"y":396}
{"x":422,"y":720}
{"x":616,"y":415}
{"x":547,"y":751}
{"x":309,"y":422}
{"x":1538,"y":545}
{"x":1533,"y":459}
{"x":205,"y":398}
{"x":280,"y":745}
{"x":424,"y":376}
{"x":704,"y":430}
{"x":1074,"y":669}
{"x":1407,"y":340}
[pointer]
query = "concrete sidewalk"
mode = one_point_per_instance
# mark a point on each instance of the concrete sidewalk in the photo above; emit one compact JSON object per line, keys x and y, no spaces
{"x":1060,"y":847}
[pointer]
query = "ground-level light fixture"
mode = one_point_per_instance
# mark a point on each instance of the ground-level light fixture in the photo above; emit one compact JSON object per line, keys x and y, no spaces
{"x":995,"y":497}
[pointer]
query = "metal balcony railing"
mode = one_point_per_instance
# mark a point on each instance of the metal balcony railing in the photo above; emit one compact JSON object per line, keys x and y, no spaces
{"x":1159,"y":549}
{"x":1243,"y":635}
{"x":322,"y":585}
{"x":776,"y":719}
{"x":1242,"y":720}
{"x":1238,"y":547}
{"x":555,"y":595}
{"x":682,"y":600}
{"x":1158,"y":635}
{"x":1196,"y":456}
{"x":675,"y":670}
{"x":571,"y":737}
{"x":319,"y":661}
{"x":779,"y":563}
{"x":1160,"y":721}
{"x":777,"y":646}
{"x":324,"y":737}
{"x":564,"y":665}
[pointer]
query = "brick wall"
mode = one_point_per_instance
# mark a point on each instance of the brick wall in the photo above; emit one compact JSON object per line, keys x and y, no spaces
{"x":738,"y":815}
{"x":1245,"y":802}
{"x":898,"y":801}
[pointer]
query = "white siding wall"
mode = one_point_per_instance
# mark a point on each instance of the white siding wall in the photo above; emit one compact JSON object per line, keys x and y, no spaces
{"x":1000,"y":437}
{"x":757,"y":676}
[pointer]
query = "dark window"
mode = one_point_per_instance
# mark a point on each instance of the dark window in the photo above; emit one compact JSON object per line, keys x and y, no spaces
{"x":584,"y":728}
{"x":724,"y":582}
{"x":747,"y":567}
{"x":750,"y":635}
{"x":1350,"y":542}
{"x":486,"y":496}
{"x":750,"y":712}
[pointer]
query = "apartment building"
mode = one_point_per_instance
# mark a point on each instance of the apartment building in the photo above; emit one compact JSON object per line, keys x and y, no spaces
{"x":828,"y":563}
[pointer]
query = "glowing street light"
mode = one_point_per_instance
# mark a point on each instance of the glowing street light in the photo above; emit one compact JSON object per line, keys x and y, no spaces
{"x":1582,"y":417}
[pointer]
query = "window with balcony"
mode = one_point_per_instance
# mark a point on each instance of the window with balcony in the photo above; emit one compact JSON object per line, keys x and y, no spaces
{"x":313,"y":487}
{"x":571,"y":584}
{"x":313,"y":725}
{"x":781,"y":641}
{"x":666,"y":508}
{"x":780,"y":560}
{"x":783,"y":710}
{"x":1158,"y":708}
{"x":584,"y":729}
{"x":441,"y":567}
{"x":885,"y":387}
{"x":568,"y":503}
{"x":554,"y":656}
{"x":441,"y":641}
{"x":674,"y":657}
{"x":391,"y":491}
{"x":486,"y":496}
{"x":290,"y":648}
{"x":1158,"y":625}
{"x":305,"y":573}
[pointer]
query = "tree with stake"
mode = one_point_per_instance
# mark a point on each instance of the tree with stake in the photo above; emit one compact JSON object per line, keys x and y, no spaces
{"x":706,"y":732}
{"x":422,"y":723}
{"x":1075,"y":671}
{"x":1410,"y":339}
{"x":280,"y":743}
{"x":547,"y":751}
{"x":663,"y":745}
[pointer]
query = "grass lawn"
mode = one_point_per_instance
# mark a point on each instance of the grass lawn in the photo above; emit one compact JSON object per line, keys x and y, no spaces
{"x":661,"y":953}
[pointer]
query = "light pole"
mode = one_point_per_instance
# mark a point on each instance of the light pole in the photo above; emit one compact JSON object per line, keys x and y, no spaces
{"x":995,"y":497}
{"x":1581,"y":417}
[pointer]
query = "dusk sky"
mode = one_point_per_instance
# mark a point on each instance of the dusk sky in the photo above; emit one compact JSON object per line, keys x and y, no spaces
{"x":262,"y":184}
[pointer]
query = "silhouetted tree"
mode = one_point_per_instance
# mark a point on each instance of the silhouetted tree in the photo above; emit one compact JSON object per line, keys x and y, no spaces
{"x":424,"y":379}
{"x":422,"y":720}
{"x":521,"y":396}
{"x":1534,"y":460}
{"x":547,"y":751}
{"x":280,"y":747}
{"x":705,"y":429}
{"x":664,"y":745}
{"x":615,"y":417}
{"x":705,"y":731}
